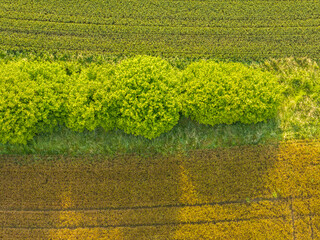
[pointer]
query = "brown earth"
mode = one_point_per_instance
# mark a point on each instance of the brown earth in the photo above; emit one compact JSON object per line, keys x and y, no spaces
{"x":250,"y":192}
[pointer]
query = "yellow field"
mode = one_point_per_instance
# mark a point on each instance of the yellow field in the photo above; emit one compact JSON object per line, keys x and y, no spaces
{"x":255,"y":192}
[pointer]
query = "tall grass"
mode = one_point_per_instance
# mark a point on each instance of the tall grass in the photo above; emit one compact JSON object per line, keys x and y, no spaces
{"x":186,"y":135}
{"x":299,"y":113}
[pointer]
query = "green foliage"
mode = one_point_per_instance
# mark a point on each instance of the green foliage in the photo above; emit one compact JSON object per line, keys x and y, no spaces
{"x":88,"y":101}
{"x":31,"y":99}
{"x":145,"y":95}
{"x":225,"y":93}
{"x":107,"y":98}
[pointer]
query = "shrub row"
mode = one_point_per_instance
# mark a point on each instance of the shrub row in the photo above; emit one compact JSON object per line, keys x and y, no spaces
{"x":142,"y":95}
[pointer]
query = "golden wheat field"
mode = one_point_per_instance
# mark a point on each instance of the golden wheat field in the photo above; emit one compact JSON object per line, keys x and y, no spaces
{"x":248,"y":192}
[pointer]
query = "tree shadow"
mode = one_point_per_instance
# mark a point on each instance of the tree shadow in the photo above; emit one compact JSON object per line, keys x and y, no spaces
{"x":230,"y":193}
{"x":226,"y":195}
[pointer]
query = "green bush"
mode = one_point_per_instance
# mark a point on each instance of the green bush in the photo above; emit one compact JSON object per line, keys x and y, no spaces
{"x":89,"y":99}
{"x":225,"y":93}
{"x":142,"y":95}
{"x":31,"y":99}
{"x":145,"y":96}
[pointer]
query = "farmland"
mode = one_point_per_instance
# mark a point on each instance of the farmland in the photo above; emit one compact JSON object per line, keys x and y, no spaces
{"x":223,"y":29}
{"x":235,"y":193}
{"x":159,"y":119}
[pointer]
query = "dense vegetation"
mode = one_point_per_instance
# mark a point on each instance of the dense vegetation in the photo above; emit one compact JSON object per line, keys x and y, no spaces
{"x":220,"y":93}
{"x":141,"y":95}
{"x":80,"y":119}
{"x":77,"y":122}
{"x":226,"y":29}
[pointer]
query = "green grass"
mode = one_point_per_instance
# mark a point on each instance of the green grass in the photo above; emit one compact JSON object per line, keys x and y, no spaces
{"x":299,"y":113}
{"x":185,"y":136}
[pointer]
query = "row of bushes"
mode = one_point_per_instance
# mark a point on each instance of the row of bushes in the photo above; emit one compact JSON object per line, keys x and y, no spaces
{"x":142,"y":95}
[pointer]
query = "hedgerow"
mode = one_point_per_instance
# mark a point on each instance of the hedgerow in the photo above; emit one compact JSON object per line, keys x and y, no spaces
{"x":31,"y":99}
{"x":225,"y":93}
{"x":142,"y":96}
{"x":146,"y":98}
{"x":299,"y":76}
{"x":88,"y":103}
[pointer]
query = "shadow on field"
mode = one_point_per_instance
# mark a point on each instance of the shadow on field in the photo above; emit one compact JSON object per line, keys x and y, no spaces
{"x":126,"y":198}
{"x":230,"y":174}
{"x":252,"y":192}
{"x":180,"y":197}
{"x":227,"y":193}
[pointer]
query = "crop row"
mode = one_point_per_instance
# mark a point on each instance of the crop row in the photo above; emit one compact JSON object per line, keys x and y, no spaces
{"x":65,"y":28}
{"x":167,"y":45}
{"x":142,"y":96}
{"x":223,"y":29}
{"x":190,"y":10}
{"x":146,"y":217}
{"x":169,"y":22}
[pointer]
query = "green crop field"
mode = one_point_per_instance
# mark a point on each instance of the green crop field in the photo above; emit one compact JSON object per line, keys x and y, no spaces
{"x":223,"y":29}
